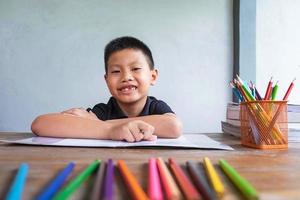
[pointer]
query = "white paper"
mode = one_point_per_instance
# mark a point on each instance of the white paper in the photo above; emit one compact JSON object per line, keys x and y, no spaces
{"x":198,"y":141}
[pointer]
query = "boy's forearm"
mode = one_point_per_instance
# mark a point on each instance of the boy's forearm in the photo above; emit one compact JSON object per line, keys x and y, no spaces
{"x":166,"y":125}
{"x":62,"y":125}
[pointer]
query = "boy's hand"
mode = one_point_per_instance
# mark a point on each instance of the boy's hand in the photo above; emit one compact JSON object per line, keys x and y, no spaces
{"x":81,"y":112}
{"x":133,"y":131}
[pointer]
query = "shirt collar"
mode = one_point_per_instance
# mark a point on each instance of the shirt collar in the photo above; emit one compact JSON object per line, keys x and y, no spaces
{"x":120,"y":114}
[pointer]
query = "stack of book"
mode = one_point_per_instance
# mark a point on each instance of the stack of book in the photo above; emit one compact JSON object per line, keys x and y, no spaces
{"x":294,"y":122}
{"x":232,"y":124}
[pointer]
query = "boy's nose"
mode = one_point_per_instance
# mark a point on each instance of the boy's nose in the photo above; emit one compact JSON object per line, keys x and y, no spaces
{"x":127,"y":76}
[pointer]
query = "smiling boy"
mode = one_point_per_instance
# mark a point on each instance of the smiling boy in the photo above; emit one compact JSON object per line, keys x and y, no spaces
{"x":130,"y":113}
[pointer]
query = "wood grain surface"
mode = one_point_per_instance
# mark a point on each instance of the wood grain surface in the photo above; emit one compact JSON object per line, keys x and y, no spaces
{"x":274,"y":173}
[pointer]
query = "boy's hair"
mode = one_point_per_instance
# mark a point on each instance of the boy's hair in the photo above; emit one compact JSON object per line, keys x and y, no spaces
{"x":127,"y":42}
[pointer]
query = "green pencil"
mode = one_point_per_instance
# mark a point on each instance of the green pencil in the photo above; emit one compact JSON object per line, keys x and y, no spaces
{"x":274,"y":91}
{"x":241,"y":183}
{"x":77,"y":181}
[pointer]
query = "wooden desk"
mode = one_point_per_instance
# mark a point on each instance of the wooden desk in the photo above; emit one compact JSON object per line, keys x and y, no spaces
{"x":274,"y":173}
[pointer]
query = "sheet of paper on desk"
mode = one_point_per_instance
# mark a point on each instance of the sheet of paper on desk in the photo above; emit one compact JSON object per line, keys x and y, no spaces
{"x":197,"y":141}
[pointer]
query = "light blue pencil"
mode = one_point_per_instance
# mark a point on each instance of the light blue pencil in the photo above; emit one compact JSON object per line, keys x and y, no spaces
{"x":16,"y":189}
{"x":54,"y":186}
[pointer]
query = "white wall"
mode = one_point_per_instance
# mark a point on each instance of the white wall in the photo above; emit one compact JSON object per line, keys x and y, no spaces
{"x":52,"y":56}
{"x":278,"y":45}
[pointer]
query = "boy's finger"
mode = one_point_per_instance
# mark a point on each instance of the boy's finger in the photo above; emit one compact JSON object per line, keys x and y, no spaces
{"x":64,"y":113}
{"x":91,"y":112}
{"x":136,"y":132}
{"x":145,"y":126}
{"x":71,"y":111}
{"x":152,"y":138}
{"x":67,"y":111}
{"x":147,"y":130}
{"x":148,"y":135}
{"x":129,"y":137}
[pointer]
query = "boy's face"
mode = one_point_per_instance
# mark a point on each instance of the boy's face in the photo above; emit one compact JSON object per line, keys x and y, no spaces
{"x":129,"y":76}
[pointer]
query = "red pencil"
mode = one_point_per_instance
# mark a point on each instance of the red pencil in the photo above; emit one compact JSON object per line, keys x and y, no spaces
{"x":188,"y":189}
{"x":269,"y":89}
{"x":286,"y":96}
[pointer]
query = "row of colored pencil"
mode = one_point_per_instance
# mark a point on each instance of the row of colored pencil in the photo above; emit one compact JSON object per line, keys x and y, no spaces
{"x":262,"y":119}
{"x":248,"y":92}
{"x":164,"y":181}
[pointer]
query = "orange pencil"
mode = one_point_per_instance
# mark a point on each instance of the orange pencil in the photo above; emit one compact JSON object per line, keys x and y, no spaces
{"x":135,"y":189}
{"x":188,"y":189}
{"x":171,"y":189}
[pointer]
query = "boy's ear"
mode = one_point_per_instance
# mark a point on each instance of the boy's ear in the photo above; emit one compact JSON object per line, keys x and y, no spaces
{"x":154,"y":75}
{"x":105,"y":77}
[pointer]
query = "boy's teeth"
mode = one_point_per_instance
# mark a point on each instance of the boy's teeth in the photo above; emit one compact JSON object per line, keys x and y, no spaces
{"x":128,"y":88}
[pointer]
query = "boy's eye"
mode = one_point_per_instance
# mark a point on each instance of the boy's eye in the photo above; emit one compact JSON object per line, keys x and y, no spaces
{"x":115,"y":71}
{"x":136,"y":68}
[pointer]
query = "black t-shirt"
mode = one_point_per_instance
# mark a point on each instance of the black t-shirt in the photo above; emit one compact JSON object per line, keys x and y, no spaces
{"x":111,"y":110}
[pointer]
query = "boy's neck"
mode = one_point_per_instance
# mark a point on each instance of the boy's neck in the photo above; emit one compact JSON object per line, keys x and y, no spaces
{"x":133,"y":109}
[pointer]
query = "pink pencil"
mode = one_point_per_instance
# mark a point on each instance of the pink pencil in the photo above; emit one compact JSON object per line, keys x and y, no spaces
{"x":154,"y":187}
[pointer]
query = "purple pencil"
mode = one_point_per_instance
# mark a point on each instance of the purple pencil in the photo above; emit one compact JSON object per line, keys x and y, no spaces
{"x":108,"y":193}
{"x":257,"y":94}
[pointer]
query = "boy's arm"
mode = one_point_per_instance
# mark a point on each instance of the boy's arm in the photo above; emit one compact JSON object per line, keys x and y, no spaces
{"x":71,"y":126}
{"x":166,"y":125}
{"x":64,"y":125}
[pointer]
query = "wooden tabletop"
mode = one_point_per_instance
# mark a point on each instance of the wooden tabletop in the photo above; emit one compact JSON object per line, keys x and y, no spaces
{"x":274,"y":173}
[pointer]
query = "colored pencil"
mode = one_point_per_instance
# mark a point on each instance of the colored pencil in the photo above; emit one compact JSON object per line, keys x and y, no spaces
{"x":169,"y":185}
{"x":244,"y":89}
{"x":286,"y":96}
{"x":269,"y":89}
{"x":16,"y":189}
{"x":135,"y":189}
{"x":201,"y":182}
{"x":97,"y":189}
{"x":257,"y":94}
{"x":213,"y":177}
{"x":154,"y":186}
{"x":241,"y":183}
{"x":108,"y":193}
{"x":236,"y":92}
{"x":188,"y":189}
{"x":251,"y":87}
{"x":58,"y":181}
{"x":77,"y":181}
{"x":274,"y":91}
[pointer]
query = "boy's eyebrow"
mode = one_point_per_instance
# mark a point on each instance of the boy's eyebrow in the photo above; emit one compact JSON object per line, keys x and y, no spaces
{"x":134,"y":63}
{"x":113,"y":66}
{"x":117,"y":65}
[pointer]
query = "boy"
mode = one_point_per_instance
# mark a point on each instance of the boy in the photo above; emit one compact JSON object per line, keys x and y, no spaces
{"x":130,"y":114}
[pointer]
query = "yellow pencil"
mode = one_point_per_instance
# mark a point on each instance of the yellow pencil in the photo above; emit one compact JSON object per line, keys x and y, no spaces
{"x":213,"y":177}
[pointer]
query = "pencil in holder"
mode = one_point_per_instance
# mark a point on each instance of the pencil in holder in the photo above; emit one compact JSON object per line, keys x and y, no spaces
{"x":264,"y":124}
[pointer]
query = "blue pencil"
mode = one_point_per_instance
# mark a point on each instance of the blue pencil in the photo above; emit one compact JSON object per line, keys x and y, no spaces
{"x":236,"y":92}
{"x":16,"y":189}
{"x":54,"y":186}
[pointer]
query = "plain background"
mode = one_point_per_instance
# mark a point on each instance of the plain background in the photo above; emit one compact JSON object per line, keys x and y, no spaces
{"x":51,"y":54}
{"x":278,"y":45}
